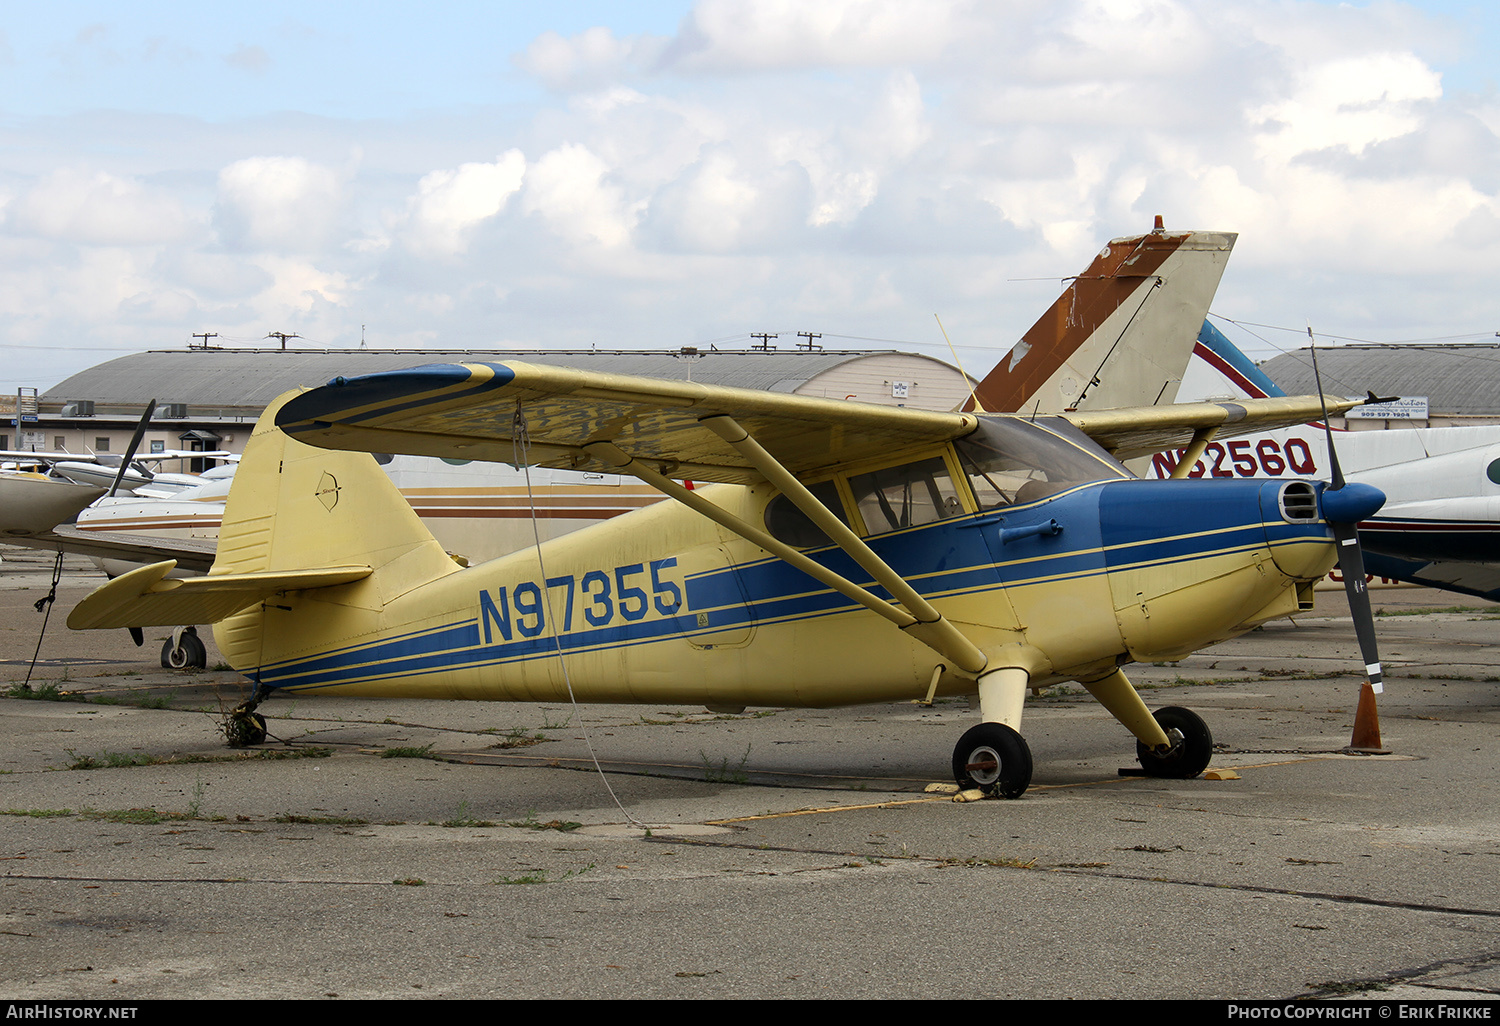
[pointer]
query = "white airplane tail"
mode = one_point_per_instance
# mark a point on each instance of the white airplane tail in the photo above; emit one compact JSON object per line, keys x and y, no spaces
{"x":1121,"y":334}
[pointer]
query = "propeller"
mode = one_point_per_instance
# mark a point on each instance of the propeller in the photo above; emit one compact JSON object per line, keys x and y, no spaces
{"x":135,"y":443}
{"x":1345,"y":504}
{"x":136,"y":635}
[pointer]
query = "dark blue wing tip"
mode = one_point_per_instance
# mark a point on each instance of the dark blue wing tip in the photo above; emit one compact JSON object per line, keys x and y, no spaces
{"x":384,"y":389}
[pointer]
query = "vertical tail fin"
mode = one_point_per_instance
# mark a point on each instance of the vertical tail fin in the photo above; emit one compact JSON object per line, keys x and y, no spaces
{"x":295,"y":506}
{"x":1121,"y":334}
{"x":1236,"y":375}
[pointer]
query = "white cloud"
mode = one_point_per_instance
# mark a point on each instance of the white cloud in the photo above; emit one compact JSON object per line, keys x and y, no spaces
{"x":1352,"y":102}
{"x":450,"y":202}
{"x":569,"y":188}
{"x":719,"y":205}
{"x":724,"y":35}
{"x":286,"y":204}
{"x":590,"y":59}
{"x":298,"y":287}
{"x":98,"y":208}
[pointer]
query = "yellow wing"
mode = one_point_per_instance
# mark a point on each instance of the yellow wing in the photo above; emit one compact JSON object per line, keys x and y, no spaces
{"x":489,"y":411}
{"x":543,"y":415}
{"x":1129,"y":433}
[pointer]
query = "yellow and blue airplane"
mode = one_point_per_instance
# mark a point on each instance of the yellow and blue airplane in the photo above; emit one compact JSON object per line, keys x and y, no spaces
{"x":841,"y":554}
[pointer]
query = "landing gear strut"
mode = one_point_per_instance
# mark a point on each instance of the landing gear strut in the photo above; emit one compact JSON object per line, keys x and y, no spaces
{"x":1192,"y":745}
{"x":994,"y":759}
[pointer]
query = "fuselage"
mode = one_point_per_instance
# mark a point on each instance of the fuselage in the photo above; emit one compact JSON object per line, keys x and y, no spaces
{"x":660,"y":605}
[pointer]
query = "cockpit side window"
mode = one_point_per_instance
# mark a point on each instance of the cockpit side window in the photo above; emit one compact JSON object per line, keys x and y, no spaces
{"x":906,"y":496}
{"x":1010,"y":461}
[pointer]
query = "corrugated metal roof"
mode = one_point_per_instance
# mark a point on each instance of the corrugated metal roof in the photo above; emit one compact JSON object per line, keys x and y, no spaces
{"x":1462,"y":380}
{"x":229,"y":378}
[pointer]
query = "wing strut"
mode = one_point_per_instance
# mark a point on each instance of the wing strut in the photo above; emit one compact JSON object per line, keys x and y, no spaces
{"x":923,"y":623}
{"x":1194,"y":452}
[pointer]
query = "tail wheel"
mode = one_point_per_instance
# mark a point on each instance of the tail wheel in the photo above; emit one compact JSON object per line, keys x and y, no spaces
{"x":188,"y":654}
{"x":1192,"y":745}
{"x":245,"y":729}
{"x":993,"y":758}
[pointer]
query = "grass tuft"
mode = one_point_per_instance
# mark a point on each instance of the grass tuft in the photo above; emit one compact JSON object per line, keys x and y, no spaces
{"x":409,"y":752}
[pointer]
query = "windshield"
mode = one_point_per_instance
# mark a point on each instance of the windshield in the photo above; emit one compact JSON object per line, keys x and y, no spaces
{"x":1009,"y":460}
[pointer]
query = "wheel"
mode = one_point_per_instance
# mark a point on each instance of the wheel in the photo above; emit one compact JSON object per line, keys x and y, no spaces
{"x":993,"y":758}
{"x":189,"y":654}
{"x":243,"y":730}
{"x":1192,"y":745}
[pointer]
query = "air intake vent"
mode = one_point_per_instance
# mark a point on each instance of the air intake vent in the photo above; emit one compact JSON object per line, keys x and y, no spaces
{"x":81,"y":408}
{"x":1299,"y":502}
{"x":172,"y":411}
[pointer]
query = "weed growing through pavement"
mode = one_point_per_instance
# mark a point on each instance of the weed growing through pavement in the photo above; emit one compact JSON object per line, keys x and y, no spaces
{"x":722,"y":773}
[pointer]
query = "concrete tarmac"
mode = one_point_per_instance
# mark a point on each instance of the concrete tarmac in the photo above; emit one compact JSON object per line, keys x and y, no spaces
{"x":404,"y":848}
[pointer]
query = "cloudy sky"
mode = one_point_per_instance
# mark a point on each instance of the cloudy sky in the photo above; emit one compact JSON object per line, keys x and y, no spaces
{"x":650,"y":174}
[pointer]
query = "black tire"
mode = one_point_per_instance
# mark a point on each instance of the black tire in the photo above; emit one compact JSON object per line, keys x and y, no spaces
{"x":1192,"y":745}
{"x":994,"y":759}
{"x":189,"y":655}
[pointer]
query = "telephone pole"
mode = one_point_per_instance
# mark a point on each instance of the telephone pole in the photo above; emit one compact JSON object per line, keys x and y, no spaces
{"x":283,"y":336}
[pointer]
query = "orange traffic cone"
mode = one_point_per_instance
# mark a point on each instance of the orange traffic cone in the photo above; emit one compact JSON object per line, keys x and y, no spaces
{"x":1366,"y":722}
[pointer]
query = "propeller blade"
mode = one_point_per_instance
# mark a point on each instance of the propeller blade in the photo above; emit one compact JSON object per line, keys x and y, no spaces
{"x":1366,"y":735}
{"x":1343,"y":509}
{"x":135,"y":442}
{"x":1352,"y":566}
{"x":1344,"y":506}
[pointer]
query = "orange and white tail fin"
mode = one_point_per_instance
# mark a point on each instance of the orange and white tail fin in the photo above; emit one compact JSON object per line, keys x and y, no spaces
{"x":1122,"y":332}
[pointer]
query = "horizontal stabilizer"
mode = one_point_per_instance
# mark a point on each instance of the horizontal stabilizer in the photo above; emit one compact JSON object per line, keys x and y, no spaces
{"x":147,"y":598}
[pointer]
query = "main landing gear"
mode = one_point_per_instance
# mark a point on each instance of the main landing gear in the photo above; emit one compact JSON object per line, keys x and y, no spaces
{"x":184,"y":650}
{"x":993,"y":757}
{"x":1192,"y":746}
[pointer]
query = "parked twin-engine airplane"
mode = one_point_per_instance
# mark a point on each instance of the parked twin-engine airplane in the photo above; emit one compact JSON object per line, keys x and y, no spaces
{"x":848,"y":554}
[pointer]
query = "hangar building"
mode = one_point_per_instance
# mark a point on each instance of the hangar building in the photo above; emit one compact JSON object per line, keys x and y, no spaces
{"x":1460,"y":382}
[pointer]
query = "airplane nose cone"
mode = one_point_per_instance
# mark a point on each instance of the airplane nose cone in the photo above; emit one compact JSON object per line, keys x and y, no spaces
{"x":1352,"y":503}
